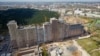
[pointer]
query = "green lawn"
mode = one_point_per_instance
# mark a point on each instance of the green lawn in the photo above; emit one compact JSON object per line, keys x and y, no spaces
{"x":92,"y":43}
{"x":96,"y":53}
{"x":89,"y":45}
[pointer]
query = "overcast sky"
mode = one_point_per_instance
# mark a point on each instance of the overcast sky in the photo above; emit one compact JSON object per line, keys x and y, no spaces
{"x":50,"y":0}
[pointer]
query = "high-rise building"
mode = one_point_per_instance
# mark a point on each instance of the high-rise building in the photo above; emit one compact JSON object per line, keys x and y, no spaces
{"x":12,"y":26}
{"x":47,"y":32}
{"x":40,"y":35}
{"x":54,"y":30}
{"x":22,"y":38}
{"x":32,"y":36}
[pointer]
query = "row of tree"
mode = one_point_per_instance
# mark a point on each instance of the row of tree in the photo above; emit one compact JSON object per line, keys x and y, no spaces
{"x":25,"y":16}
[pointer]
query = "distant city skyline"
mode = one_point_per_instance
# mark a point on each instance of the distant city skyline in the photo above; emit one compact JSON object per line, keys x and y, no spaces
{"x":49,"y":0}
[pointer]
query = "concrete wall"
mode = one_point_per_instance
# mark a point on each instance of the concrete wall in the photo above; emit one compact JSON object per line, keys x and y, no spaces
{"x":32,"y":36}
{"x":55,"y":30}
{"x":40,"y":35}
{"x":47,"y":32}
{"x":61,"y":30}
{"x":74,"y":30}
{"x":22,"y":38}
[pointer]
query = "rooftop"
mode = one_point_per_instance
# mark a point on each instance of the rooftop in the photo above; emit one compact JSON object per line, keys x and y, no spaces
{"x":12,"y":22}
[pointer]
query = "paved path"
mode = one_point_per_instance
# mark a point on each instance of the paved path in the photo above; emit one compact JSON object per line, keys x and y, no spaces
{"x":84,"y":37}
{"x":84,"y":53}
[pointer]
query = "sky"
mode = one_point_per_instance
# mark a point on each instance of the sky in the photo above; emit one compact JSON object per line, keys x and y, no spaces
{"x":49,"y":0}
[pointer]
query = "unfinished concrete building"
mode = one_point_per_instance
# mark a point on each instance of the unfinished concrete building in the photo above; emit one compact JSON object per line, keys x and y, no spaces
{"x":54,"y":30}
{"x":47,"y":32}
{"x":12,"y":26}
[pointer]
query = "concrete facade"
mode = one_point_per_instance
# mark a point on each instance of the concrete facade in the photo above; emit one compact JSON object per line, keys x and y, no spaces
{"x":54,"y":30}
{"x":22,"y":38}
{"x":47,"y":32}
{"x":12,"y":26}
{"x":32,"y":36}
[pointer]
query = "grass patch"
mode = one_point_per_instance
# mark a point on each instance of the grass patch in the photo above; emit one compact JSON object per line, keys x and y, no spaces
{"x":96,"y":53}
{"x":88,"y":44}
{"x":92,"y":43}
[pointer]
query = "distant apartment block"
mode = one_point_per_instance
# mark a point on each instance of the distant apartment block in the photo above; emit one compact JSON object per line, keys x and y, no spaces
{"x":54,"y":30}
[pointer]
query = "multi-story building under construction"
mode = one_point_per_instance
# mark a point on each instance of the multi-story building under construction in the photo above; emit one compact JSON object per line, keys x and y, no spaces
{"x":54,"y":30}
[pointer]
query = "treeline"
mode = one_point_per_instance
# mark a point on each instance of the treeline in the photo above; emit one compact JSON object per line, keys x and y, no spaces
{"x":25,"y":16}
